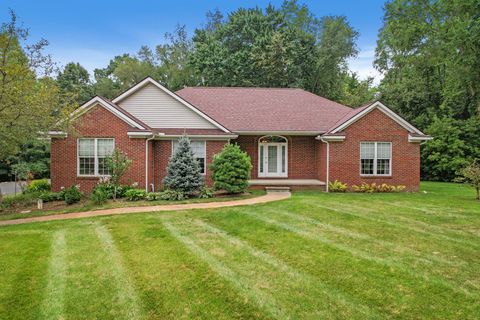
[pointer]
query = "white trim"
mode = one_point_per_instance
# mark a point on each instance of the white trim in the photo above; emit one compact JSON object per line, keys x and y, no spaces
{"x":331,"y":138}
{"x":327,"y":176}
{"x":418,"y":139}
{"x":374,"y":174}
{"x":279,"y":145}
{"x":95,"y":155}
{"x":385,"y":110}
{"x":57,"y":134}
{"x":137,"y":134}
{"x":197,"y":137}
{"x":205,"y":150}
{"x":97,"y":100}
{"x":279,"y":133}
{"x":148,"y":80}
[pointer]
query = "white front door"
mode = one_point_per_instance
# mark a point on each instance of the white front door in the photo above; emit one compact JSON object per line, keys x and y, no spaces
{"x":273,"y":160}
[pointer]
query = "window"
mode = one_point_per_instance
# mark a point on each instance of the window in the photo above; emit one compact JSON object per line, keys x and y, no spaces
{"x":199,"y":152}
{"x":91,"y":156}
{"x":375,"y":158}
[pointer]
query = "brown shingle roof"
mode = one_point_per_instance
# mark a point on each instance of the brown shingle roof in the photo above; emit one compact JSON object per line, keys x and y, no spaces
{"x":266,"y":109}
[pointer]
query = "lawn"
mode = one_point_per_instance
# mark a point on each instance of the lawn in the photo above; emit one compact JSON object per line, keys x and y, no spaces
{"x":314,"y":256}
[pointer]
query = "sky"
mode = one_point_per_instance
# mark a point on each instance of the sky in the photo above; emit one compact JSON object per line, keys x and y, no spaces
{"x":93,"y":32}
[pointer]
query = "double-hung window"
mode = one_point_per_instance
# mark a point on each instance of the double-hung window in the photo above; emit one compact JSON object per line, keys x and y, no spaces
{"x":199,"y":152}
{"x":376,"y":158}
{"x":92,"y":153}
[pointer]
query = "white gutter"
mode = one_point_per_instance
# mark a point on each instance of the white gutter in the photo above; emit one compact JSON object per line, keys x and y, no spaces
{"x":328,"y":164}
{"x":199,"y":136}
{"x":146,"y":160}
{"x":418,"y":139}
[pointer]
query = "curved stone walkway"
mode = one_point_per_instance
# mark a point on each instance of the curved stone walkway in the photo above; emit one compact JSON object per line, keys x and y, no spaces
{"x":269,"y":197}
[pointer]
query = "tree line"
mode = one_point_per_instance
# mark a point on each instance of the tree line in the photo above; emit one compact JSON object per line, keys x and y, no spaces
{"x":427,"y":51}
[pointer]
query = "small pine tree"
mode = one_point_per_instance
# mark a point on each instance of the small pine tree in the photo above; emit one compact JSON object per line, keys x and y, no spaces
{"x":183,"y":170}
{"x":231,"y":169}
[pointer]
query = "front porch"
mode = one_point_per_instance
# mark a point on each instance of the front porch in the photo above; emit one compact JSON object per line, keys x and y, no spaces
{"x":290,"y":183}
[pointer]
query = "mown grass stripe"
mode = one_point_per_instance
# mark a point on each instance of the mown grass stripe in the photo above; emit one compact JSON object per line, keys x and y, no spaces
{"x":54,"y":296}
{"x":125,"y":290}
{"x":306,"y":279}
{"x":262,"y":300}
{"x":420,"y":256}
{"x":363,"y":255}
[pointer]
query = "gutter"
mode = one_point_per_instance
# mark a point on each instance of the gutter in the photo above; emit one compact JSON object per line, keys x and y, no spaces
{"x":146,"y":160}
{"x":327,"y":176}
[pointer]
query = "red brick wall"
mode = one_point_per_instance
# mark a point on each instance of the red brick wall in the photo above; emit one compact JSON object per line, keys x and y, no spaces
{"x":96,"y":123}
{"x":302,"y":155}
{"x":376,"y":126}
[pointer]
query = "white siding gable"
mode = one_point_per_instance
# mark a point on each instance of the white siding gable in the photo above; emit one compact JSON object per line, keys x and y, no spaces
{"x":159,"y":110}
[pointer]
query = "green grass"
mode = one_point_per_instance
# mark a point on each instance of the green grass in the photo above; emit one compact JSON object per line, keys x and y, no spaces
{"x":87,"y":205}
{"x":314,"y":256}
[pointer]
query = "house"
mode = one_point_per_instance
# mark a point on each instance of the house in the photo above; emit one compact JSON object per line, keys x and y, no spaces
{"x":294,"y":138}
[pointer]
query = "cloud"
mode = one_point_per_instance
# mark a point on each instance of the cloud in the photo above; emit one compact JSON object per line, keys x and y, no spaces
{"x":363,"y":64}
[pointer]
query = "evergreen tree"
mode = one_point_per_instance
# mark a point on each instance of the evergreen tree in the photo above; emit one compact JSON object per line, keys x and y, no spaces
{"x":183,"y":170}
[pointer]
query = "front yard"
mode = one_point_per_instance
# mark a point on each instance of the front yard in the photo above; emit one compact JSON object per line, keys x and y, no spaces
{"x":313,"y":256}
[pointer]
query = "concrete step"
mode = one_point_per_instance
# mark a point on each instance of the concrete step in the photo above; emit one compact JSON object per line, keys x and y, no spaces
{"x":277,"y":189}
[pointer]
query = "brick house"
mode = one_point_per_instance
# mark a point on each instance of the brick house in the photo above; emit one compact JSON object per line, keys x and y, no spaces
{"x":294,"y":138}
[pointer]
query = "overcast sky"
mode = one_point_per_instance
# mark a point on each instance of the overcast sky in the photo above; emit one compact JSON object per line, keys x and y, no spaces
{"x":92,"y":32}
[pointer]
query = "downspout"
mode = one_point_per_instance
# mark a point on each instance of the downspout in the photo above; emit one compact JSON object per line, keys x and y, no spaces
{"x":328,"y":163}
{"x":146,"y":160}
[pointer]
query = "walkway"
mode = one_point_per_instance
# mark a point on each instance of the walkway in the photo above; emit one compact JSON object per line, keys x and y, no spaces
{"x":269,"y":197}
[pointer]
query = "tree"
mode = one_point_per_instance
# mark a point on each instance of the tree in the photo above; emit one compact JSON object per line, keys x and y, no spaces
{"x":28,"y":103}
{"x":117,"y":164}
{"x":471,"y":173}
{"x":75,"y":80}
{"x":231,"y":169}
{"x":183,"y":170}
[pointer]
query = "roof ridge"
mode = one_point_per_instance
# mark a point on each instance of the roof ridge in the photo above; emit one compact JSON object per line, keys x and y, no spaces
{"x":260,"y":88}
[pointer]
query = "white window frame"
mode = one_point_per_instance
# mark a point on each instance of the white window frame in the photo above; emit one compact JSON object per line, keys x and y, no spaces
{"x":95,"y":156}
{"x":204,"y":148}
{"x":375,"y":158}
{"x":279,"y":145}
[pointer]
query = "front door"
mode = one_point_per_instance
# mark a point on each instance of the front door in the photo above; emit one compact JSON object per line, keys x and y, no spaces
{"x":272,"y":160}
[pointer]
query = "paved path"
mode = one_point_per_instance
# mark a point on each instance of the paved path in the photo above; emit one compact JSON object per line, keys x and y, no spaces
{"x":269,"y":197}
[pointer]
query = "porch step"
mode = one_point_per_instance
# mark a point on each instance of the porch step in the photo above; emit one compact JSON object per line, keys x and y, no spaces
{"x":277,"y":189}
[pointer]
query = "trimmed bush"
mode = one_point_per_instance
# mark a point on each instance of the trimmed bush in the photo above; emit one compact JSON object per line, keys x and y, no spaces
{"x":52,"y":196}
{"x":231,"y":169}
{"x":174,"y":195}
{"x":183,"y":171}
{"x":38,"y":186}
{"x":135,"y":194}
{"x":99,"y":196}
{"x":371,"y":188}
{"x":152,"y":196}
{"x":206,"y":193}
{"x":72,"y":195}
{"x":337,"y":186}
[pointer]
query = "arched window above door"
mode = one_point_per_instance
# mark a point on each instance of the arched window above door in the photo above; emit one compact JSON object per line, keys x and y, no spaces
{"x":273,"y":139}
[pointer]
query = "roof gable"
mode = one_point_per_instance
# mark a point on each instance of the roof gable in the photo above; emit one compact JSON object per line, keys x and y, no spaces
{"x":158,"y":107}
{"x":359,"y":113}
{"x":123,"y":115}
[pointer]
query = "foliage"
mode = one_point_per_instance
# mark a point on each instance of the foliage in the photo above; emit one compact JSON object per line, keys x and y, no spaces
{"x":19,"y":200}
{"x":28,"y":104}
{"x":72,"y":195}
{"x":99,"y":196}
{"x":117,"y":164}
{"x":35,"y":155}
{"x":337,"y":186}
{"x":173,"y":195}
{"x":135,"y":194}
{"x":471,"y":173}
{"x":371,"y":188}
{"x":52,"y":196}
{"x":153,"y":196}
{"x":22,"y":171}
{"x":183,"y":170}
{"x":206,"y":193}
{"x":75,"y":81}
{"x":231,"y":169}
{"x":38,"y":186}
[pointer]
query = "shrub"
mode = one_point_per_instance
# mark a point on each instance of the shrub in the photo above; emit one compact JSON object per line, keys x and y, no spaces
{"x":206,"y":193}
{"x":337,"y":186}
{"x":21,"y":199}
{"x":183,"y":170}
{"x":99,"y":196}
{"x":152,"y":196}
{"x":135,"y":194}
{"x":471,"y":174}
{"x":118,"y":164}
{"x":38,"y":186}
{"x":174,"y":195}
{"x":231,"y":169}
{"x":52,"y":196}
{"x":371,"y":188}
{"x":72,"y":195}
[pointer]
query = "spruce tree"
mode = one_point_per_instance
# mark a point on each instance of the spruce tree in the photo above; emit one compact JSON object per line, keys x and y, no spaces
{"x":183,"y":170}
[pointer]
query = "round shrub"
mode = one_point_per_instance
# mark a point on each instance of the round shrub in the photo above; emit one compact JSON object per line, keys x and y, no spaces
{"x":231,"y":169}
{"x":72,"y":195}
{"x":135,"y":194}
{"x":174,"y":195}
{"x":99,"y":196}
{"x":38,"y":186}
